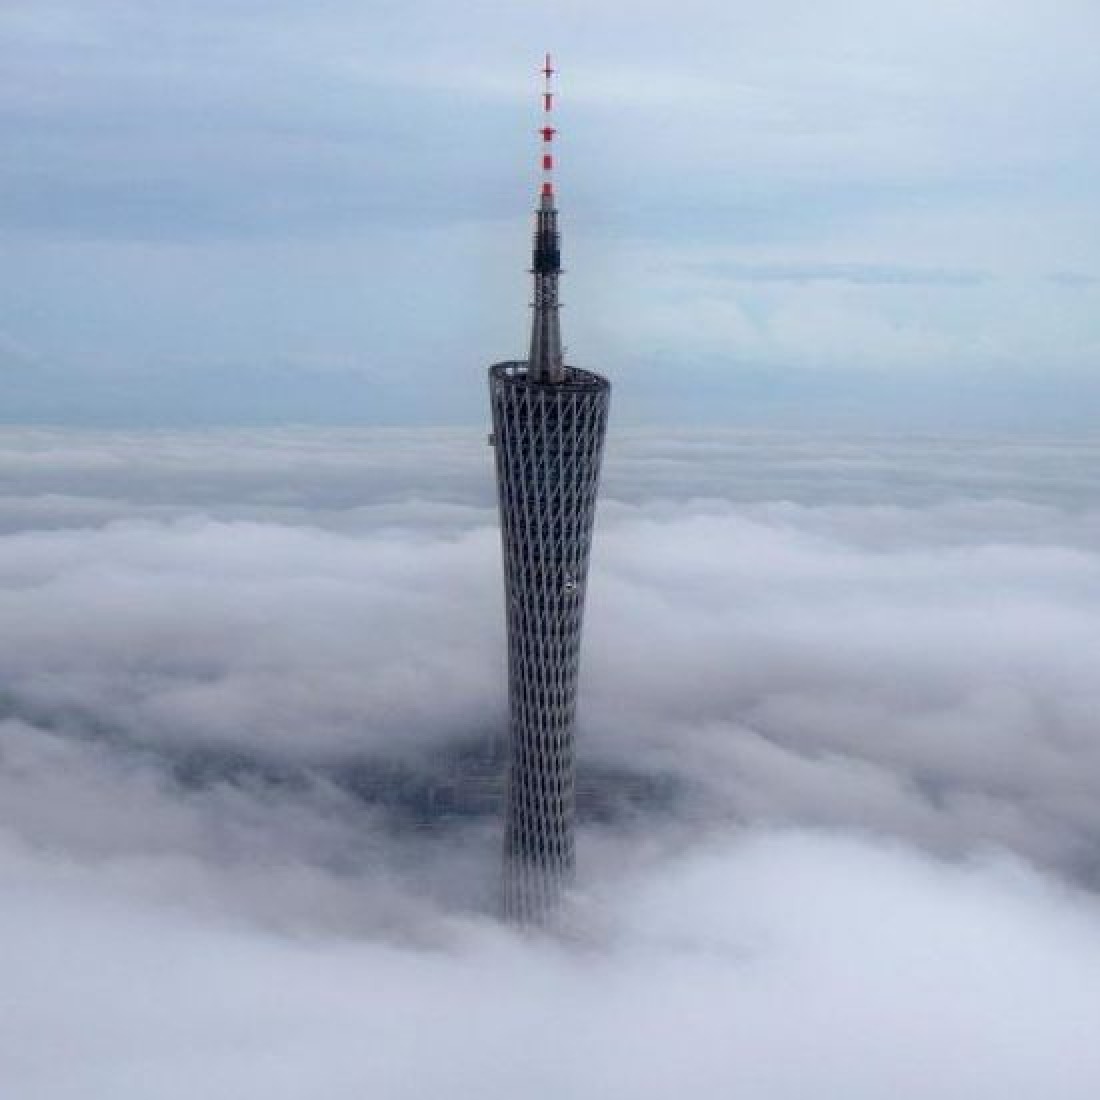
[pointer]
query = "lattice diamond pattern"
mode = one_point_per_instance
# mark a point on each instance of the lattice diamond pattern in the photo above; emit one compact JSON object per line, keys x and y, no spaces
{"x":549,"y":443}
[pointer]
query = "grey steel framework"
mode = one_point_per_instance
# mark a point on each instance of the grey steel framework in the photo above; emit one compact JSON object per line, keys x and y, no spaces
{"x":549,"y":422}
{"x":549,"y":438}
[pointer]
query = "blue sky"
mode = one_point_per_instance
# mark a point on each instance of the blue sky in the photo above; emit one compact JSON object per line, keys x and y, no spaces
{"x":843,"y":215}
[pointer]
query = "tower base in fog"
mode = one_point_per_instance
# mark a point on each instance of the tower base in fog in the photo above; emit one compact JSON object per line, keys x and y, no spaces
{"x":548,"y":437}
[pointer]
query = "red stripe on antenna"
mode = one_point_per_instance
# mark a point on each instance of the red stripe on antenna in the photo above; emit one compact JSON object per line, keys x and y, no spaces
{"x":547,"y":131}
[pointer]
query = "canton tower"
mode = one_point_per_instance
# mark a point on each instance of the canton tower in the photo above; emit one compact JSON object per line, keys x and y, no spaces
{"x":549,"y":421}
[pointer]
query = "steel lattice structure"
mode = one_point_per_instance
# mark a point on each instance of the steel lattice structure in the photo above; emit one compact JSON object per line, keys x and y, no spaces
{"x":549,"y":422}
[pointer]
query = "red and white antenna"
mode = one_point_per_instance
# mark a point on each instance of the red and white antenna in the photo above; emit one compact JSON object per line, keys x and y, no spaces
{"x":547,"y":129}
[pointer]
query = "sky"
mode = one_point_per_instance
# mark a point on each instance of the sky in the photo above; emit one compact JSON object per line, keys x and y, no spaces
{"x":856,"y":675}
{"x":838,"y":691}
{"x":846,"y":216}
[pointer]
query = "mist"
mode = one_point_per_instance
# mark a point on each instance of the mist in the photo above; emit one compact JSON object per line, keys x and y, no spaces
{"x":839,"y":774}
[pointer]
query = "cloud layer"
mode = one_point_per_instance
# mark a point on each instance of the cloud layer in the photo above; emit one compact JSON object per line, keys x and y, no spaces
{"x":853,"y":678}
{"x":771,"y":965}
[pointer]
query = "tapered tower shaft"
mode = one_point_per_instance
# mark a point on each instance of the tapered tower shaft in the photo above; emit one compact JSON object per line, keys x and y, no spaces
{"x":549,"y":422}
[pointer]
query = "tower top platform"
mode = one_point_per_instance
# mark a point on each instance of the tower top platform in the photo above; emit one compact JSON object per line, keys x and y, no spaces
{"x":517,"y":372}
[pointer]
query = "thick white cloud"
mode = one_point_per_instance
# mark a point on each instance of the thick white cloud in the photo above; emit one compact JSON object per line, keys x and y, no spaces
{"x":857,"y":676}
{"x":768,"y":965}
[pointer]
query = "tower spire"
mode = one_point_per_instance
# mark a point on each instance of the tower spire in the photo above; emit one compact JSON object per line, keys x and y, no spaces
{"x":548,"y":130}
{"x":546,"y":363}
{"x":549,"y":422}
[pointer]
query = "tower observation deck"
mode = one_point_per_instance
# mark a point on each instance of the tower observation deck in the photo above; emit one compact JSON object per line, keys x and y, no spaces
{"x":549,"y":422}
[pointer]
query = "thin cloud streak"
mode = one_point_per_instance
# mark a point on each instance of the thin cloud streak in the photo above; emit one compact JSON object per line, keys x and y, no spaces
{"x":857,"y":274}
{"x":890,"y":186}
